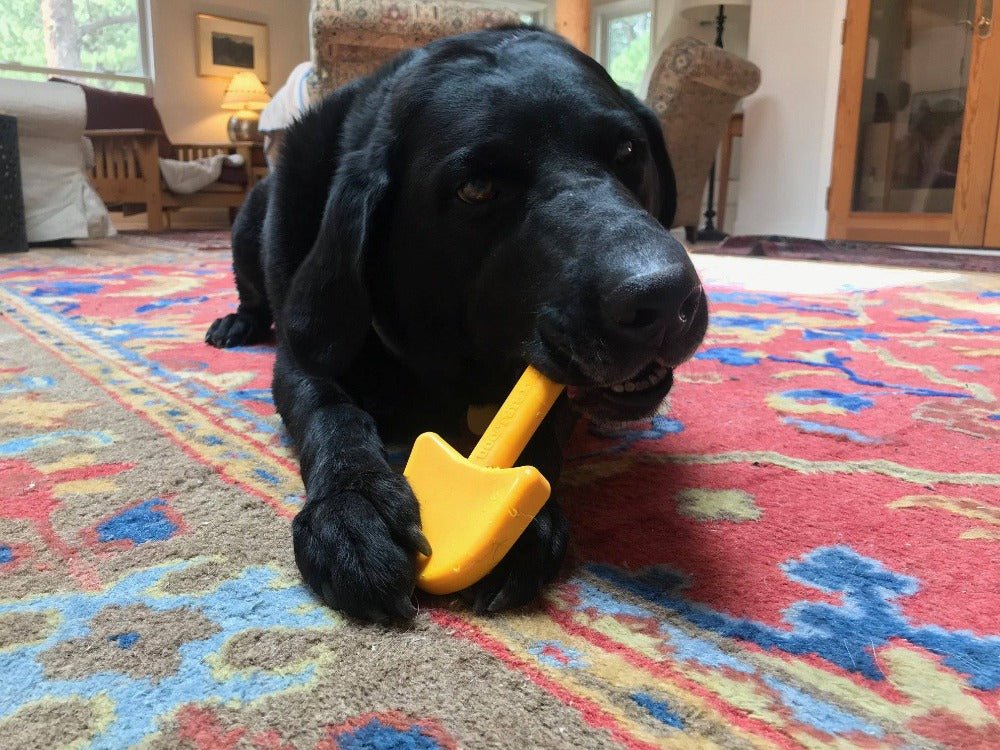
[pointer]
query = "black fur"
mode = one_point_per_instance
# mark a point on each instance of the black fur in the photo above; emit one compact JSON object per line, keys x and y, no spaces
{"x":397,"y":303}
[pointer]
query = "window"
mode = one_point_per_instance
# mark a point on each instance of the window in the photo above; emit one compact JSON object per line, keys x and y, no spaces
{"x":97,"y":42}
{"x":623,"y":46}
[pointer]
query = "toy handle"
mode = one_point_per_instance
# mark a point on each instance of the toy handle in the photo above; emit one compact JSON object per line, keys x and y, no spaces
{"x":515,"y":423}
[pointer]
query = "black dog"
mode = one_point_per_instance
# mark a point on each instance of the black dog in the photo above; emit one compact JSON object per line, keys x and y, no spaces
{"x":488,"y":201}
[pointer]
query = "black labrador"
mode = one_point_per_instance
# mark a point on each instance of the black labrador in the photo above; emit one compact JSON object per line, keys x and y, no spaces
{"x":488,"y":201}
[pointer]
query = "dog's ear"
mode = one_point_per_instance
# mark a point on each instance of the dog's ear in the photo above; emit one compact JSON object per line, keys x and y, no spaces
{"x":667,"y":193}
{"x":327,"y":312}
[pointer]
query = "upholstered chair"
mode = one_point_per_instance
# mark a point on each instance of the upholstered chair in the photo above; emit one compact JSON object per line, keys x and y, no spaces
{"x":351,"y":38}
{"x":694,"y":89}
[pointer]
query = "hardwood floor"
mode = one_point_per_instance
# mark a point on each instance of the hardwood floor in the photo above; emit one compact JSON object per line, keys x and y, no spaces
{"x":189,"y":218}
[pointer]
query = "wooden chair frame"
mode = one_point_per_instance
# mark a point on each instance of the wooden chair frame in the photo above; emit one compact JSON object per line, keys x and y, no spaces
{"x":126,"y":172}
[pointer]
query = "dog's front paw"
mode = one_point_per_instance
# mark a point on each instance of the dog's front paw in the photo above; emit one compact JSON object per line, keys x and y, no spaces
{"x":356,"y":548}
{"x":533,"y":561}
{"x":237,"y":329}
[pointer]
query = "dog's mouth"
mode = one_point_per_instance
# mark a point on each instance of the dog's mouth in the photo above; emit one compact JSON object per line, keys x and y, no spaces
{"x":597,"y":392}
{"x":635,"y":398}
{"x":648,"y":378}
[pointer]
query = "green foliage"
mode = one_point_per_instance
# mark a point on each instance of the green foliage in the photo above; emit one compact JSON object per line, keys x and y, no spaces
{"x":21,"y":32}
{"x":629,"y":65}
{"x":108,"y":34}
{"x":628,"y":49}
{"x":113,"y":48}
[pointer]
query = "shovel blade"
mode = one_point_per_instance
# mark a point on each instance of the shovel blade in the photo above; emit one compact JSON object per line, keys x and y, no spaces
{"x":470,"y":514}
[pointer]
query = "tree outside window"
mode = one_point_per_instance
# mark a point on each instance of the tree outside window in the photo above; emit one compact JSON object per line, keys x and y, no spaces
{"x":94,"y":38}
{"x":627,"y":44}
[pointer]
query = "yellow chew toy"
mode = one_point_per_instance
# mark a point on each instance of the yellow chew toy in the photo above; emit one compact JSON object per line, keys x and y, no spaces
{"x":473,"y":509}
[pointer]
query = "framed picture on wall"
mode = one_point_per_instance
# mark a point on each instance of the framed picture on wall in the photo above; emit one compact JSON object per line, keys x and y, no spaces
{"x":227,"y":46}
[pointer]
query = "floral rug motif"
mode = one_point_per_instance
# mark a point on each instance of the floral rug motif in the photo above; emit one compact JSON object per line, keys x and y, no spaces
{"x":801,"y":550}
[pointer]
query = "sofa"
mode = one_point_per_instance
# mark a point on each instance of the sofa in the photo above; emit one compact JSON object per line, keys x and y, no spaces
{"x":59,"y":202}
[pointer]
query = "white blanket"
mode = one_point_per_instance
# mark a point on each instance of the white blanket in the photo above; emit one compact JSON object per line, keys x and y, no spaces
{"x":185,"y":177}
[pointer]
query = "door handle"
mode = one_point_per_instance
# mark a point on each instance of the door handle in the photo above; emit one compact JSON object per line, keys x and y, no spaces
{"x":985,"y":23}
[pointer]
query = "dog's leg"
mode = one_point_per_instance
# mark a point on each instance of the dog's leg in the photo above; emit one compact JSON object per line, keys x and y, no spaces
{"x":537,"y":555}
{"x":357,"y":536}
{"x":251,"y":323}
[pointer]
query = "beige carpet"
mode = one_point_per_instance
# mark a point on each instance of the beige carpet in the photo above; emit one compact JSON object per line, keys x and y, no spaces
{"x":800,"y":553}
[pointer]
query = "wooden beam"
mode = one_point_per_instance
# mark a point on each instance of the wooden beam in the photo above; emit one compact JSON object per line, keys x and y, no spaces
{"x":573,"y":22}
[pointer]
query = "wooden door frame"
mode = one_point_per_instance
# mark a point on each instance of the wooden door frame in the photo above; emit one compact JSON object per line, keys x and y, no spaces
{"x":572,"y":20}
{"x":992,"y":239}
{"x":966,"y":224}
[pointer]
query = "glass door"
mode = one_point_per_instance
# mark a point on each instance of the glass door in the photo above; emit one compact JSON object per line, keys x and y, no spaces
{"x":917,"y":121}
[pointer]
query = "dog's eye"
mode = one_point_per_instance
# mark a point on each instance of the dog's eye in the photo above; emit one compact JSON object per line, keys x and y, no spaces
{"x":477,"y":191}
{"x":625,"y":151}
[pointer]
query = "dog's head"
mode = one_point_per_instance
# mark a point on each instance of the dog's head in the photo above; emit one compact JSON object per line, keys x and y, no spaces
{"x":510,"y":207}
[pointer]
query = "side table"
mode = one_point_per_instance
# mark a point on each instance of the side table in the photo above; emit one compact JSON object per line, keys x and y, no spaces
{"x":735,"y":130}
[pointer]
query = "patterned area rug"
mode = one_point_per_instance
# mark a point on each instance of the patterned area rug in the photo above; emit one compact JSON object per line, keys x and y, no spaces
{"x":802,"y":551}
{"x":178,"y":239}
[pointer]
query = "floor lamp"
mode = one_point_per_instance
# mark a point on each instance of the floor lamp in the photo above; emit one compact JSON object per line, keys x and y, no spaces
{"x":701,"y":11}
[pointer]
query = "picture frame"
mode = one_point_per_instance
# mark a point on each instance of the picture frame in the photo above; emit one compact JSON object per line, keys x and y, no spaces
{"x":227,"y":46}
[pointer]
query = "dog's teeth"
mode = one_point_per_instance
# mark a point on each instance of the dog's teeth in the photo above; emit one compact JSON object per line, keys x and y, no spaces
{"x":618,"y":388}
{"x":630,"y":386}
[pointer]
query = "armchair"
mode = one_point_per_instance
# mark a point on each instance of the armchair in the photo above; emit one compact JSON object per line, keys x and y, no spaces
{"x":351,"y":38}
{"x":693,"y":90}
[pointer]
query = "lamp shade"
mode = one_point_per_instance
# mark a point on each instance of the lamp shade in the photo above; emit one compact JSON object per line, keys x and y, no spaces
{"x":245,"y":91}
{"x":703,"y":10}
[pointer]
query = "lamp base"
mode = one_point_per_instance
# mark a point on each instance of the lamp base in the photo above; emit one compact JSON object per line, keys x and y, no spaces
{"x":712,"y":235}
{"x":242,"y":126}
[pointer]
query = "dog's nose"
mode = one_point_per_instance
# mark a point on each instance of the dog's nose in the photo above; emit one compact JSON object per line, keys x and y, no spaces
{"x":651,"y":306}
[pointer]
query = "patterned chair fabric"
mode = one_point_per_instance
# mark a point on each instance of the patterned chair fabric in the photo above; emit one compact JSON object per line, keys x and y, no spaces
{"x":693,"y":90}
{"x":351,"y":38}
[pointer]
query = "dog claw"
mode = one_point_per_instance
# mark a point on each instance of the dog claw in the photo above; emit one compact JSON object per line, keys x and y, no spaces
{"x":415,"y":536}
{"x":481,"y":605}
{"x":405,"y":609}
{"x":511,"y":595}
{"x":498,"y":603}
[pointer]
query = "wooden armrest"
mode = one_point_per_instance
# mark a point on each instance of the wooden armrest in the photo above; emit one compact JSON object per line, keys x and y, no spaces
{"x":221,"y":144}
{"x":119,"y":132}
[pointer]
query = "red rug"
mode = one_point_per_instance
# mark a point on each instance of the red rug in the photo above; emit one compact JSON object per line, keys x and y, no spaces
{"x":801,"y":551}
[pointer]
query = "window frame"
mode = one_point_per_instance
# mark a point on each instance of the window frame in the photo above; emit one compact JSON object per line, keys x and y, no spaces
{"x":145,"y":52}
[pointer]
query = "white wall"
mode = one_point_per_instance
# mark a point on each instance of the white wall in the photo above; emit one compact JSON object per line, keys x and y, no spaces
{"x":789,"y":123}
{"x":671,"y":25}
{"x":188,"y":103}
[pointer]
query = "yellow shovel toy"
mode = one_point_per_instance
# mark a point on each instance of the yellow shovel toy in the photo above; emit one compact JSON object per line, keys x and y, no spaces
{"x":473,"y":509}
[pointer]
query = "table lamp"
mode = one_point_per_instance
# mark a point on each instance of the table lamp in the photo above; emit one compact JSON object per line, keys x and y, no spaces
{"x":701,"y":11}
{"x":247,"y":95}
